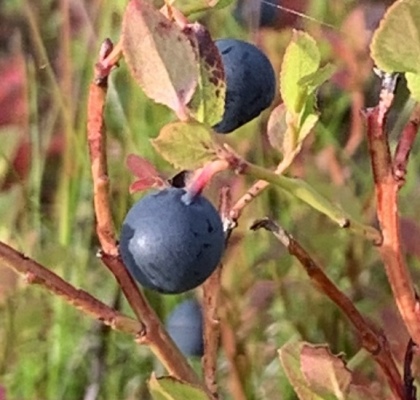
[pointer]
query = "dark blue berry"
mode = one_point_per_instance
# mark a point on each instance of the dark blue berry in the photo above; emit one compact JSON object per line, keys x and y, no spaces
{"x":250,"y":81}
{"x":185,"y":326}
{"x":171,"y":242}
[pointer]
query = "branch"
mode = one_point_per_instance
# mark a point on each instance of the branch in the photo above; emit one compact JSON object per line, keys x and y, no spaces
{"x":235,"y":360}
{"x":35,"y":273}
{"x":211,"y":298}
{"x":154,"y":335}
{"x":387,"y":186}
{"x":301,"y":190}
{"x":374,"y":342}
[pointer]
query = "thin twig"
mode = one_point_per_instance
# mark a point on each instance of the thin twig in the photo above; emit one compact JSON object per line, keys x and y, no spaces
{"x":374,"y":342}
{"x":405,"y":145}
{"x":154,"y":334}
{"x":35,"y":273}
{"x":301,"y":190}
{"x":98,"y":354}
{"x":410,"y":389}
{"x":236,"y":378}
{"x":211,"y":298}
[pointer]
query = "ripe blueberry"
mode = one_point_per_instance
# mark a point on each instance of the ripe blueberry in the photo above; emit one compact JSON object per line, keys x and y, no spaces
{"x":172,"y":242}
{"x":185,"y":326}
{"x":250,"y":83}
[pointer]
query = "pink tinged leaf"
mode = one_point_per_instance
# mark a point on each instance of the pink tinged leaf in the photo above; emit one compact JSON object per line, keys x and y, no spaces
{"x":146,"y":172}
{"x":160,"y":56}
{"x":144,"y":184}
{"x":325,"y":372}
{"x":140,"y":166}
{"x":277,"y":127}
{"x":2,"y":393}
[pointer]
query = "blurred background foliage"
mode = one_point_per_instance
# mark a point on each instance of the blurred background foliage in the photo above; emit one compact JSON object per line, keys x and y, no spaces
{"x":48,"y":350}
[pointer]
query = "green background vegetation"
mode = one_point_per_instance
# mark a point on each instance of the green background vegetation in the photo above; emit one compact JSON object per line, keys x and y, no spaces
{"x":48,"y":350}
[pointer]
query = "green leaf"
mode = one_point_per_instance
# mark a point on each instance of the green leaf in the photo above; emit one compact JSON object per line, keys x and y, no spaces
{"x":316,"y":79}
{"x":307,"y":126}
{"x":185,"y":145}
{"x":395,"y":44}
{"x":307,"y":118}
{"x":301,"y":59}
{"x":208,"y":103}
{"x":159,"y":55}
{"x":169,"y":388}
{"x":188,"y":7}
{"x":413,"y":83}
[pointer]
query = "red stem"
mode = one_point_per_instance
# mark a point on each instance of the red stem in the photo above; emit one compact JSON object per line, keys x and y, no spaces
{"x":386,"y":189}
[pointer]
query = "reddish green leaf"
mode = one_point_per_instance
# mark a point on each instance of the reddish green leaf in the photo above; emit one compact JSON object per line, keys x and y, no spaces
{"x":290,"y":359}
{"x":324,"y":372}
{"x":316,"y":373}
{"x":160,"y":56}
{"x":185,"y":145}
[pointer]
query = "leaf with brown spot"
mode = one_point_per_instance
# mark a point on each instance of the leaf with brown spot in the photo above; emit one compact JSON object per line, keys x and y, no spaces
{"x":208,"y":102}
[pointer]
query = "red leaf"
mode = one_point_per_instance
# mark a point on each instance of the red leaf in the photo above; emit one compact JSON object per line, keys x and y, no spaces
{"x":141,"y":167}
{"x":144,"y":184}
{"x":146,"y":172}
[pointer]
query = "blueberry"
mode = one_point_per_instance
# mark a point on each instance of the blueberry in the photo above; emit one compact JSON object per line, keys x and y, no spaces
{"x":171,"y":243}
{"x":250,"y":81}
{"x":185,"y":326}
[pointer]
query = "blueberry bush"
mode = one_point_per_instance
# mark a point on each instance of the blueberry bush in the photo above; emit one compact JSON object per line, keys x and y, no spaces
{"x":246,"y":171}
